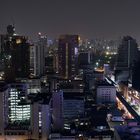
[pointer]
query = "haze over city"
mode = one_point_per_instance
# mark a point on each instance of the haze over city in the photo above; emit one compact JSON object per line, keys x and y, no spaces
{"x":89,"y":18}
{"x":69,"y":70}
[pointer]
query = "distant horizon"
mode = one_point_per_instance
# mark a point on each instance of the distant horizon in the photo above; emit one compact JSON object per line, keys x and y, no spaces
{"x":109,"y":19}
{"x":35,"y":36}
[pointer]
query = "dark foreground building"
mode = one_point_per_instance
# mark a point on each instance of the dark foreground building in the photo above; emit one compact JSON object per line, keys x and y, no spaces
{"x":15,"y":54}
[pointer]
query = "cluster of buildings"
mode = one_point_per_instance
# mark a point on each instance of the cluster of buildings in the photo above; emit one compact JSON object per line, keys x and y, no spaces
{"x":101,"y":45}
{"x":54,"y":92}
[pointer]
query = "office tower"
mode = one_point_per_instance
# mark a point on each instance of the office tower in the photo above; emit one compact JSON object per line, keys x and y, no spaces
{"x":84,"y":58}
{"x":84,"y":61}
{"x":15,"y":53}
{"x":32,"y":61}
{"x":40,"y":119}
{"x":52,"y":51}
{"x":57,"y":113}
{"x":14,"y":109}
{"x":49,"y":63}
{"x":55,"y":62}
{"x":128,"y":54}
{"x":19,"y":108}
{"x":67,"y":55}
{"x":40,"y":53}
{"x":73,"y":104}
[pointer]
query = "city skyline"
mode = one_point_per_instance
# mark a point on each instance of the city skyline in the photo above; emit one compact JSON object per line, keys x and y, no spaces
{"x":68,"y":89}
{"x":90,"y":19}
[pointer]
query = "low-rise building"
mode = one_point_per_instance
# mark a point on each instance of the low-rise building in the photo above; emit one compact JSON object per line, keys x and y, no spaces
{"x":106,"y":93}
{"x":41,"y":119}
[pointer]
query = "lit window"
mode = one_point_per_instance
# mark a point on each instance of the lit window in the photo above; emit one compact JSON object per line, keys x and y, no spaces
{"x":18,"y":41}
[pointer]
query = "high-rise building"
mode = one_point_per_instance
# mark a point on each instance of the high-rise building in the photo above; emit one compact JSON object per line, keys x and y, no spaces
{"x":14,"y":107}
{"x":19,"y":108}
{"x":84,"y":58}
{"x":57,"y":113}
{"x":73,"y":104}
{"x":16,"y":56}
{"x":67,"y":55}
{"x":32,"y":61}
{"x":50,"y":64}
{"x":40,"y":119}
{"x":40,"y":53}
{"x":21,"y":119}
{"x":128,"y":54}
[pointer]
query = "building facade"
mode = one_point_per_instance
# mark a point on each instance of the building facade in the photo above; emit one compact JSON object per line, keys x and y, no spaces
{"x":19,"y":108}
{"x":16,"y":55}
{"x":106,"y":94}
{"x":57,"y":114}
{"x":40,"y":120}
{"x":40,"y":53}
{"x":67,"y":55}
{"x":128,"y":55}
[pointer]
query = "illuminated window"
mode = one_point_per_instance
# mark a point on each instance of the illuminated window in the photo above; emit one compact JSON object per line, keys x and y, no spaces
{"x":18,"y":41}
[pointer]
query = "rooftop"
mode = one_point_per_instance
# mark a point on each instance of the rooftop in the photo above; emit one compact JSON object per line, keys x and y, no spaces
{"x":128,"y":132}
{"x":73,"y":95}
{"x":103,"y":83}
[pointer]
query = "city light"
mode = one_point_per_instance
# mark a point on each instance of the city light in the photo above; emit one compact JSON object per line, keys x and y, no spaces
{"x":77,"y":78}
{"x":18,"y":41}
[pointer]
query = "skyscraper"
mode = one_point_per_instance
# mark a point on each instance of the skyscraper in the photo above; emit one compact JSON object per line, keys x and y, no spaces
{"x":40,"y":119}
{"x":57,"y":113}
{"x":67,"y":55}
{"x":128,"y":54}
{"x":19,"y":109}
{"x":16,"y":56}
{"x":32,"y":61}
{"x":84,"y":59}
{"x":40,"y":53}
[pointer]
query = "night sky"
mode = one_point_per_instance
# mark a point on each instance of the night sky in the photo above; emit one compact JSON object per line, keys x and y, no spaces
{"x":108,"y":19}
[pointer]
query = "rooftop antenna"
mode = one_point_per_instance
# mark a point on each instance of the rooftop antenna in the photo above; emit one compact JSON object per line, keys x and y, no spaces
{"x":11,"y":29}
{"x":13,"y":23}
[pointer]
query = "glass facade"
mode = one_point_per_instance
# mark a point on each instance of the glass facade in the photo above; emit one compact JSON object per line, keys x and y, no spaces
{"x":19,"y":109}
